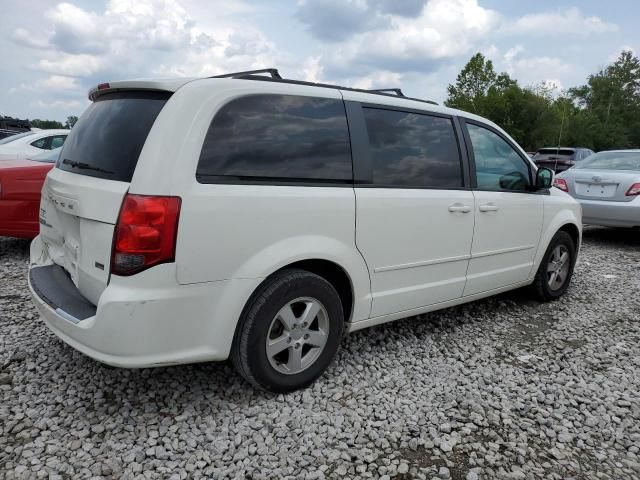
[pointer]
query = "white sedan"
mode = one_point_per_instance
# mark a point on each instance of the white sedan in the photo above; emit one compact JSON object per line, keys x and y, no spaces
{"x":28,"y":144}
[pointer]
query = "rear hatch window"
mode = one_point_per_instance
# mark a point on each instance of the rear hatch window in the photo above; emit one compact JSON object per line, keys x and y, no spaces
{"x":107,"y":140}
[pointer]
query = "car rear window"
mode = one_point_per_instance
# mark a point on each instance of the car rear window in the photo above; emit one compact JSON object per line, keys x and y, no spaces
{"x":107,"y":140}
{"x":555,"y":151}
{"x":611,"y":161}
{"x":269,"y":137}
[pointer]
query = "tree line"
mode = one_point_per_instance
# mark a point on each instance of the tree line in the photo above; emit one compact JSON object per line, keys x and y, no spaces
{"x":48,"y":124}
{"x":602,"y":114}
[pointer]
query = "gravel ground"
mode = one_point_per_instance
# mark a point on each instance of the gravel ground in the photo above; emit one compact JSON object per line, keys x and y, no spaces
{"x":501,"y":388}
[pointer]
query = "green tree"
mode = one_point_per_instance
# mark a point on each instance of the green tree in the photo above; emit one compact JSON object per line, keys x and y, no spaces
{"x":46,"y":124}
{"x":602,"y":114}
{"x":71,"y":121}
{"x":610,"y":104}
{"x":475,"y":84}
{"x":525,"y":113}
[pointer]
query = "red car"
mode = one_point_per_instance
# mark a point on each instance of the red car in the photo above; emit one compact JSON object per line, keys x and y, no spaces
{"x":20,"y":185}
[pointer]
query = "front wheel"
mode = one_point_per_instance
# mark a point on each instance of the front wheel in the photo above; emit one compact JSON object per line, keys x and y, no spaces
{"x":289,"y":332}
{"x":556,"y":268}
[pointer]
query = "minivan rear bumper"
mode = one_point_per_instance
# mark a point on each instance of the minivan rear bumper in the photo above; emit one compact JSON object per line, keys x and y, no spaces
{"x":149,"y":320}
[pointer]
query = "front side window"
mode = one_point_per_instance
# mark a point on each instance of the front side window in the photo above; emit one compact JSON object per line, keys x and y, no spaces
{"x":498,"y":165}
{"x":412,"y":150}
{"x":282,"y":137}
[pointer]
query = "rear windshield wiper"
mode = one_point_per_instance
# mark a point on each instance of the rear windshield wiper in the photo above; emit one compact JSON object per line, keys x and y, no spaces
{"x":85,"y":166}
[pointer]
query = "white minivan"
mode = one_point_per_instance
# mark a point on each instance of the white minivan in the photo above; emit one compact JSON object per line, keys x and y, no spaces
{"x":258,"y":218}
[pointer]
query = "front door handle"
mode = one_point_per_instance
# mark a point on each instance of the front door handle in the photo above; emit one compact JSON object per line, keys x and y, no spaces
{"x":458,"y":207}
{"x":488,"y":207}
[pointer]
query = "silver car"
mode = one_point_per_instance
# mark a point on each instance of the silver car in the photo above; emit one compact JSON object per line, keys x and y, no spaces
{"x":607,"y":185}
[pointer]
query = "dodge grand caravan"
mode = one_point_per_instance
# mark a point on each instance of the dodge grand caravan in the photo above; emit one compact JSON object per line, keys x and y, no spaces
{"x":259,"y":218}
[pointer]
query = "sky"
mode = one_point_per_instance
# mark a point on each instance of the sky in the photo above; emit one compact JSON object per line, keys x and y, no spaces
{"x":52,"y":52}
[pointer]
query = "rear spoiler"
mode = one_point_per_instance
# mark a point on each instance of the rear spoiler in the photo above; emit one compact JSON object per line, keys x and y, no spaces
{"x":151,"y":85}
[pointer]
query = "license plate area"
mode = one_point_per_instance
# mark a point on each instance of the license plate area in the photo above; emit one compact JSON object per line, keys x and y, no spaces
{"x":596,"y":190}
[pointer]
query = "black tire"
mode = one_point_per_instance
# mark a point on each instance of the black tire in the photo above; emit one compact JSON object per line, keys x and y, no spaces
{"x":249,"y":349}
{"x":540,"y":287}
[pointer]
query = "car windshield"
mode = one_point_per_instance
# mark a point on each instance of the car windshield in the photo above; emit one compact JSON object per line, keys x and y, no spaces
{"x":50,"y":156}
{"x":611,"y":161}
{"x":15,"y":137}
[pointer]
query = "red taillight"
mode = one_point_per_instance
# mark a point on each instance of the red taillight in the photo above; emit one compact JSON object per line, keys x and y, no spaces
{"x":561,"y":183}
{"x":145,"y":234}
{"x":633,"y":190}
{"x":103,"y":86}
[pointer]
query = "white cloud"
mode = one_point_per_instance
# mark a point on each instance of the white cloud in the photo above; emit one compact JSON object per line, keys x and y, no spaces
{"x":312,"y":69}
{"x":513,"y":52}
{"x":23,"y":37}
{"x":419,"y":45}
{"x":444,"y":29}
{"x":379,"y":79}
{"x":80,"y":65}
{"x":52,"y":84}
{"x":534,"y":70}
{"x":75,"y":30}
{"x":67,"y":104}
{"x":563,"y":22}
{"x":624,"y":48}
{"x":59,"y":83}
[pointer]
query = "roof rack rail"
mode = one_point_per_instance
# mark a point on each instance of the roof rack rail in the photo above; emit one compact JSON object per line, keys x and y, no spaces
{"x":272,"y":71}
{"x":274,"y":76}
{"x":397,"y":91}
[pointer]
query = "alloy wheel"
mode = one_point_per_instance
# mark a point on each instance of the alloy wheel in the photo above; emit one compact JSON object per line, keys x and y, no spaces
{"x":558,"y":267}
{"x":297,"y":335}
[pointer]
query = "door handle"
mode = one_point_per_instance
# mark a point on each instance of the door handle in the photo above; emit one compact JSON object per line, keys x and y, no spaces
{"x":458,"y":207}
{"x":488,"y":207}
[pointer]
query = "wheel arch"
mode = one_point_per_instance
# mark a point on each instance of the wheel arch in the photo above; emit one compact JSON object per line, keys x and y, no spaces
{"x":573,"y":230}
{"x":333,"y":273}
{"x":559,"y":217}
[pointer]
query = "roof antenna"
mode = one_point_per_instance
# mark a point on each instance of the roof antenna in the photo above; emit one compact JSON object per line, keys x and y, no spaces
{"x":564,"y":111}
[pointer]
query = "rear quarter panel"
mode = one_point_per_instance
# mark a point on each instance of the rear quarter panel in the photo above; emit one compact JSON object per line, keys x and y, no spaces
{"x":229,"y":232}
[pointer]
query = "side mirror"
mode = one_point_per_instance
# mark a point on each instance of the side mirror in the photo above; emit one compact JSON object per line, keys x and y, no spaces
{"x":544,"y":178}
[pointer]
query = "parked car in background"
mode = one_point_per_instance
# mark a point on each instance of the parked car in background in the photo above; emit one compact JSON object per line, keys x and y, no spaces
{"x":11,"y":126}
{"x":16,"y":136}
{"x":607,"y":185}
{"x":560,"y":159}
{"x":261,"y":218}
{"x":28,"y":144}
{"x":20,"y":186}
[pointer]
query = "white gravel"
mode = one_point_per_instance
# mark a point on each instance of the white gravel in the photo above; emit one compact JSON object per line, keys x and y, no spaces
{"x":502,"y":388}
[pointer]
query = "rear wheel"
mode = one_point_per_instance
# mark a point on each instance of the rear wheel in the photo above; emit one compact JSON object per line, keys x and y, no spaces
{"x":556,"y":268}
{"x":289,"y":331}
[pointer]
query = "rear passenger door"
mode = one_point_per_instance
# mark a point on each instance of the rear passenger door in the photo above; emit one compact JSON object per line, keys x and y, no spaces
{"x":508,"y":213}
{"x":414,"y":212}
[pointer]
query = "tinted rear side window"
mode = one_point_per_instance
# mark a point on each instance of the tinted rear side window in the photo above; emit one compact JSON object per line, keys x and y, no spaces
{"x":107,"y":140}
{"x":282,"y":137}
{"x":410,"y":149}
